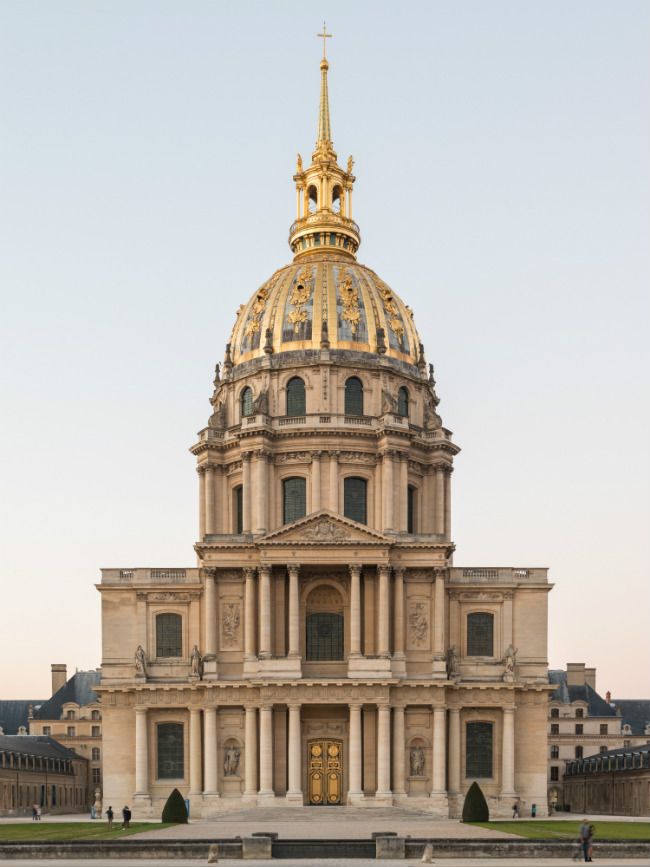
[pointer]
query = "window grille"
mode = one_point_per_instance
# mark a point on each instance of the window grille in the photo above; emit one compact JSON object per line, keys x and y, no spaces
{"x":247,"y":402}
{"x":169,"y":635}
{"x":555,"y":712}
{"x":171,"y":758}
{"x":410,"y":522}
{"x":239,"y":509}
{"x":355,"y":504}
{"x":478,"y":750}
{"x":555,"y":774}
{"x":555,"y":729}
{"x":95,"y":754}
{"x":353,"y":396}
{"x":603,"y":728}
{"x":403,"y":402}
{"x":95,"y":731}
{"x":480,"y":634}
{"x":97,"y":776}
{"x":579,"y":728}
{"x":296,"y":396}
{"x":324,"y":636}
{"x":580,"y":713}
{"x":555,"y":752}
{"x":294,"y":498}
{"x":579,"y":752}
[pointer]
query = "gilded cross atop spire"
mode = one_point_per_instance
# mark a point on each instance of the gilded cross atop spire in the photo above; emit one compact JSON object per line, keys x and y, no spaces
{"x":324,"y":140}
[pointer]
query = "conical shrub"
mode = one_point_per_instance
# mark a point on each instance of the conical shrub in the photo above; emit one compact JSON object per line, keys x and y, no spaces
{"x":174,"y":810}
{"x":475,"y":808}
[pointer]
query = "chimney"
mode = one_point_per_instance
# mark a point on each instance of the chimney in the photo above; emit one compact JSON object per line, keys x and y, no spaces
{"x":608,"y":697}
{"x":59,"y":676}
{"x":590,"y":678}
{"x":575,"y":674}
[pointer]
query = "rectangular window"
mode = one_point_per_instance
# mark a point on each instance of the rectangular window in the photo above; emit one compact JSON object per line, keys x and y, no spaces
{"x":480,"y":634}
{"x":603,"y":728}
{"x":169,"y":635}
{"x":555,"y":752}
{"x":47,"y":731}
{"x":95,"y":732}
{"x":580,"y":713}
{"x":555,"y":729}
{"x":97,"y":776}
{"x":325,"y":636}
{"x":355,"y":499}
{"x":294,"y":497}
{"x":170,"y":751}
{"x":478,"y":750}
{"x":239,"y":509}
{"x":579,"y":728}
{"x":579,"y":752}
{"x":71,"y":732}
{"x":555,"y":713}
{"x":602,"y":748}
{"x":410,"y":520}
{"x":555,"y":773}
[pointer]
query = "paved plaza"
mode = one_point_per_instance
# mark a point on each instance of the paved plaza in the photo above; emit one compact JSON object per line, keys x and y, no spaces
{"x":317,"y":862}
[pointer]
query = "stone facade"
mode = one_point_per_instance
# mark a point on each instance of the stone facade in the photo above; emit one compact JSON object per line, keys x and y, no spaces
{"x":616,"y":782}
{"x":325,"y":649}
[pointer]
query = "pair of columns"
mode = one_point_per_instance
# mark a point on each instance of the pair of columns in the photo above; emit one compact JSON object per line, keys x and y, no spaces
{"x":259,"y":597}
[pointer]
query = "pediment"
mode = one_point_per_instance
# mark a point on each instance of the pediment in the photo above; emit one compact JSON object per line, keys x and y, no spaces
{"x":324,"y":528}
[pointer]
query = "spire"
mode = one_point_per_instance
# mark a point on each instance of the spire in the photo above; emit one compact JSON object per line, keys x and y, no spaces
{"x":324,"y":140}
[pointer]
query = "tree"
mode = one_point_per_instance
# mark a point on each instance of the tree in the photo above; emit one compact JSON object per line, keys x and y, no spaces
{"x":174,"y":810}
{"x":475,"y":808}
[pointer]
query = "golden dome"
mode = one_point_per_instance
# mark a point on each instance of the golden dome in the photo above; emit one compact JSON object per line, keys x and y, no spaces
{"x":323,"y":302}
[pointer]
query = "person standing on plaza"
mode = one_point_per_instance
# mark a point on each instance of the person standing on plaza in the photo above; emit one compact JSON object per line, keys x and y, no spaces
{"x":110,"y":815}
{"x":586,"y":839}
{"x":126,"y":817}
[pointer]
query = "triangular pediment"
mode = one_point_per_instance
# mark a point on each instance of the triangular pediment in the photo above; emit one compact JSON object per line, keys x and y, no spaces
{"x":324,"y":528}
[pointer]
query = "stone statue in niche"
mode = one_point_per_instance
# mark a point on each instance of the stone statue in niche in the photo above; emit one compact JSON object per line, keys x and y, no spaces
{"x":452,"y":662}
{"x":417,"y":762}
{"x":230,"y":623}
{"x":196,"y":663}
{"x":140,"y":662}
{"x":388,"y":402}
{"x":510,"y":661}
{"x":231,"y":761}
{"x":261,"y":403}
{"x":418,"y":624}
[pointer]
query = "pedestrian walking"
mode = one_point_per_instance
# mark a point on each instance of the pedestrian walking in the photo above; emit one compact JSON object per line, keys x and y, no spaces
{"x":110,"y":815}
{"x":586,"y":839}
{"x":533,"y":811}
{"x":38,"y":812}
{"x":126,"y":817}
{"x":515,"y":810}
{"x":34,"y":812}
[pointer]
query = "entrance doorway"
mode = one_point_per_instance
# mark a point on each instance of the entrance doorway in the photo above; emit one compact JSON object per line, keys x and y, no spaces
{"x":325,"y":772}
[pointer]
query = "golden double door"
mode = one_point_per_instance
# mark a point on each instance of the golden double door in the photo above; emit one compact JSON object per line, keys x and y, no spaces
{"x":325,"y":774}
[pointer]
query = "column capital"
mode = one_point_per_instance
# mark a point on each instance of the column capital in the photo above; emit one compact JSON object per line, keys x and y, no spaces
{"x":246,"y":456}
{"x":440,"y":572}
{"x":399,"y":571}
{"x":355,"y":570}
{"x":140,"y":710}
{"x":509,"y":709}
{"x":384,"y":569}
{"x":264,"y":569}
{"x":249,"y":571}
{"x":294,"y":705}
{"x":316,"y":455}
{"x":208,"y":572}
{"x":265,"y":706}
{"x":293,"y":569}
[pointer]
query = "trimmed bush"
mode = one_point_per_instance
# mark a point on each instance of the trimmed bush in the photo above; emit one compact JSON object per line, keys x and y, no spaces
{"x":475,"y":808}
{"x":174,"y":810}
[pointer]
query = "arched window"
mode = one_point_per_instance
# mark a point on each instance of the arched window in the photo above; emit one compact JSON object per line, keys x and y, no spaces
{"x":238,"y":509}
{"x":337,"y":195}
{"x":324,"y":636}
{"x":169,"y":635}
{"x":580,"y":713}
{"x":246,"y":402}
{"x":312,"y":200}
{"x":355,"y":499}
{"x":70,"y":714}
{"x":95,"y":754}
{"x":294,"y":499}
{"x":403,"y":402}
{"x":171,"y":759}
{"x":410,"y":503}
{"x":555,"y":712}
{"x":480,"y":634}
{"x":295,"y":396}
{"x":478,"y":751}
{"x":353,"y":396}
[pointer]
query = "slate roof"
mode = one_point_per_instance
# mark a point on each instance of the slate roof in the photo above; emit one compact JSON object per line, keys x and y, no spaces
{"x":14,"y":713}
{"x":36,"y":745}
{"x":635,"y":713}
{"x":78,"y":689}
{"x":596,"y":705}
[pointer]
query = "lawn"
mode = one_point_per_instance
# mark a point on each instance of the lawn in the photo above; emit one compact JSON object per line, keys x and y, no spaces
{"x":36,"y":832}
{"x":539,"y":829}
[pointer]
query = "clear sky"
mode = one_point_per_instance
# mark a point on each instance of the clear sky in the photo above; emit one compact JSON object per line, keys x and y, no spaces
{"x":502,"y":155}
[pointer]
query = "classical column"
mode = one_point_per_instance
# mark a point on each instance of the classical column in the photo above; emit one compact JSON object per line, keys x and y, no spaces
{"x":384,"y":602}
{"x":439,"y":749}
{"x":141,"y":752}
{"x":454,"y":750}
{"x":508,"y":752}
{"x":354,"y":789}
{"x":387,"y":473}
{"x":402,"y":495}
{"x":294,"y":792}
{"x":398,"y":646}
{"x":355,"y":610}
{"x":266,"y":752}
{"x":195,"y":751}
{"x":334,"y":482}
{"x":439,"y":500}
{"x":209,"y":499}
{"x":398,"y":752}
{"x":383,"y":750}
{"x":439,"y":613}
{"x":448,"y":472}
{"x":201,"y":474}
{"x":250,"y":753}
{"x":261,"y":493}
{"x":210,"y":752}
{"x":315,"y":481}
{"x":246,"y":492}
{"x":249,"y":614}
{"x":265,"y":612}
{"x":210,"y":615}
{"x":294,"y":610}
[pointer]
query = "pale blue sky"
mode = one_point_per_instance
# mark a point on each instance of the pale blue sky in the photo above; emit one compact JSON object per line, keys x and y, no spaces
{"x":502,"y":156}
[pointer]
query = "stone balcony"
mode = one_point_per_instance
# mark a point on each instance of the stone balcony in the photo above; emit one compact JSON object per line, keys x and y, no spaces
{"x":496,"y":575}
{"x":134,"y":577}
